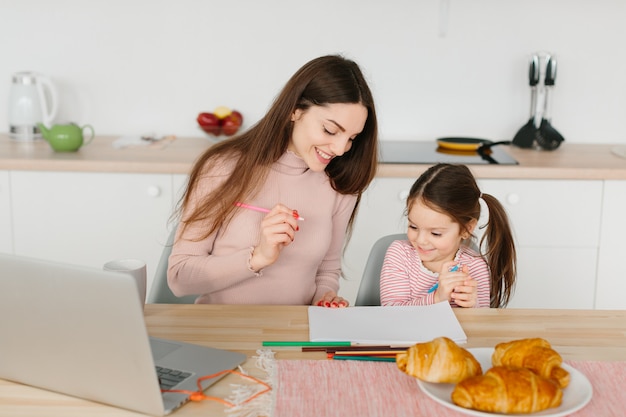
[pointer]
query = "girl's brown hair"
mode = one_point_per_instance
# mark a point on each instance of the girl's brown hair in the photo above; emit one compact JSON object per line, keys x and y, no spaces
{"x":452,"y":190}
{"x":324,"y":80}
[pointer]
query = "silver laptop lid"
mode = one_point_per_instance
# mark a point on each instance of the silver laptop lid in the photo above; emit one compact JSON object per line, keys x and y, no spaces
{"x":78,"y":331}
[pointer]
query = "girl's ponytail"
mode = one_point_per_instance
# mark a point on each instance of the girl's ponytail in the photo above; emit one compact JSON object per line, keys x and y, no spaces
{"x":501,"y":256}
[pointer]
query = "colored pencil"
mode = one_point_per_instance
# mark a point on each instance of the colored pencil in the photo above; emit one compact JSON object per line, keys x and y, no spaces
{"x":434,"y":287}
{"x":299,"y":344}
{"x":371,"y":355}
{"x":364,"y":358}
{"x":259,"y":209}
{"x":353,"y":348}
{"x":365,"y":353}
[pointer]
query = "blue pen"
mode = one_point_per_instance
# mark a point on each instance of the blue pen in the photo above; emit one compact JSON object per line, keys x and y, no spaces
{"x":434,"y":287}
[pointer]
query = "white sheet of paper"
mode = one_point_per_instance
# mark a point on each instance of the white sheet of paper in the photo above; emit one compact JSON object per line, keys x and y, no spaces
{"x":393,"y":325}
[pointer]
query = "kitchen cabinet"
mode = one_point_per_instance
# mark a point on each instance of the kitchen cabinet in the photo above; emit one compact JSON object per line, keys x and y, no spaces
{"x":554,"y":249}
{"x":557,"y":230}
{"x":102,"y":203}
{"x":6,"y":228}
{"x":611,"y":276}
{"x":90,"y":218}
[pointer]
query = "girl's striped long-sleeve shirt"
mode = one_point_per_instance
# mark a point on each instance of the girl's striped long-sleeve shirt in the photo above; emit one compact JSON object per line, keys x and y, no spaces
{"x":405,"y":281}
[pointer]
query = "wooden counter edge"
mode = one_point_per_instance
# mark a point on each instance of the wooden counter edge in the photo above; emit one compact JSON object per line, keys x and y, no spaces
{"x":570,"y":161}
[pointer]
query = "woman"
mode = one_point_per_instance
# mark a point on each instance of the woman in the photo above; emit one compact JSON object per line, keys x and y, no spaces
{"x":307,"y":162}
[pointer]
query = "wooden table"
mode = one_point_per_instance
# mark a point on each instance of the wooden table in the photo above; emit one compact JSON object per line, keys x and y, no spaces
{"x":576,"y":334}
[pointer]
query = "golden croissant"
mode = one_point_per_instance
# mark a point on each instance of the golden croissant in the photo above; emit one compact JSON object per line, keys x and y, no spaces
{"x":440,"y":360}
{"x":535,"y":354}
{"x":508,"y":390}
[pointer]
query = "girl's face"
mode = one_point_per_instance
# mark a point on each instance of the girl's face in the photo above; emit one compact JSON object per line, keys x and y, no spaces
{"x":434,"y":235}
{"x":322,"y":133}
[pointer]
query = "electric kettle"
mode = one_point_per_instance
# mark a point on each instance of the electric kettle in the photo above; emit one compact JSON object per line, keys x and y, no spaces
{"x":32,"y":100}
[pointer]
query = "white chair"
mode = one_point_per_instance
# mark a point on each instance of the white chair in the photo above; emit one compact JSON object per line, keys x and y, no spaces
{"x":160,"y":292}
{"x":369,"y":289}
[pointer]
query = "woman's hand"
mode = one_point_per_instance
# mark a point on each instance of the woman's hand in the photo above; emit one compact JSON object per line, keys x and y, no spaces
{"x":457,"y":286}
{"x":332,"y":300}
{"x":278,"y":229}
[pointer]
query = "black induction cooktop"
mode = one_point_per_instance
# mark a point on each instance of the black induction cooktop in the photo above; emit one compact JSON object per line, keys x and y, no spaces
{"x":427,"y":152}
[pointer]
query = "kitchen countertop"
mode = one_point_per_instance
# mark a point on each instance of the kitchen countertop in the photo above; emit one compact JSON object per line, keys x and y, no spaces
{"x":570,"y":161}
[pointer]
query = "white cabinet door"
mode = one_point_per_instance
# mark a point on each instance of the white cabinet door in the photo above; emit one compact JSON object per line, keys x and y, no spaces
{"x":91,"y":218}
{"x":555,"y":278}
{"x":6,"y":230}
{"x":557,"y":229}
{"x":611,"y":272}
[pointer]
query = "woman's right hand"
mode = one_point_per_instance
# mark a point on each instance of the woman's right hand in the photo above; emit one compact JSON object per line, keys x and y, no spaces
{"x":278,"y":229}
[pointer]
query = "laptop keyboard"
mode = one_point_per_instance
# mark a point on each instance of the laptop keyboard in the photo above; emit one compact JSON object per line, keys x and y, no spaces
{"x":168,"y":378}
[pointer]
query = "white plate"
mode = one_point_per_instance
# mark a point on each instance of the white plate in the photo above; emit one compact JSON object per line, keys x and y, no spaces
{"x":575,"y":396}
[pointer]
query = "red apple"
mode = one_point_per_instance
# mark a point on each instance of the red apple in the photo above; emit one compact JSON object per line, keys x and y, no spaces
{"x":209,"y":123}
{"x":236,"y":115}
{"x":230,"y":125}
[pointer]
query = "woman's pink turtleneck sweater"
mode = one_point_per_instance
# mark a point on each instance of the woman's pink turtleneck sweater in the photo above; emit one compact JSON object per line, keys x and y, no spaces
{"x":217,"y":269}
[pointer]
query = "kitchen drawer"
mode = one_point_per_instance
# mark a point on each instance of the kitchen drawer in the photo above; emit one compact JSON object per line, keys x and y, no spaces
{"x":551,"y":213}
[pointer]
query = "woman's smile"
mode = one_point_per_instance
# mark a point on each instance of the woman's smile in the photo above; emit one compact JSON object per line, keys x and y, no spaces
{"x":321,"y":133}
{"x":323,"y":157}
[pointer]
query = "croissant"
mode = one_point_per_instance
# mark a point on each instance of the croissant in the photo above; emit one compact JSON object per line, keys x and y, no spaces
{"x":440,"y":360}
{"x":507,"y":390}
{"x":535,"y":354}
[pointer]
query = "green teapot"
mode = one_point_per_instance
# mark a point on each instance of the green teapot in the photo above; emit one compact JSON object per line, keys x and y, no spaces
{"x":66,"y":137}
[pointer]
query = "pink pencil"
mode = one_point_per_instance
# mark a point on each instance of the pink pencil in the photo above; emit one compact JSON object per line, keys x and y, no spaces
{"x":259,"y":209}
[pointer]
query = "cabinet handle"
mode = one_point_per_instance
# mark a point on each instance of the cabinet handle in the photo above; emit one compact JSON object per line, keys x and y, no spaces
{"x":513,"y":199}
{"x":402,"y":195}
{"x":154,"y":191}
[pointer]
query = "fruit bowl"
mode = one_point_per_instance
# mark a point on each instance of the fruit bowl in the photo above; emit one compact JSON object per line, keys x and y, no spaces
{"x":222,"y":122}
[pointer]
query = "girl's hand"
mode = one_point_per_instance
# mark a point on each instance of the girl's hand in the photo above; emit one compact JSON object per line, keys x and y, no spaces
{"x":332,"y":300}
{"x":466,"y":295}
{"x":457,"y":286}
{"x":278,"y":229}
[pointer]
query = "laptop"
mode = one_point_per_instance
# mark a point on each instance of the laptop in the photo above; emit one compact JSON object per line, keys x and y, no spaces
{"x":81,"y":331}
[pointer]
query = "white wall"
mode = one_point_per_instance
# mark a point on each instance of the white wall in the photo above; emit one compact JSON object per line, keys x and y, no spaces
{"x":140,"y":66}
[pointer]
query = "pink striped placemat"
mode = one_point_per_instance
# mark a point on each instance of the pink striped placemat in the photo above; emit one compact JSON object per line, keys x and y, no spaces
{"x":325,"y":388}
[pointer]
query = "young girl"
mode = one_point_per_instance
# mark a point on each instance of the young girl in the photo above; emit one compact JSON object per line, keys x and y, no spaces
{"x":436,"y":263}
{"x":306,"y":163}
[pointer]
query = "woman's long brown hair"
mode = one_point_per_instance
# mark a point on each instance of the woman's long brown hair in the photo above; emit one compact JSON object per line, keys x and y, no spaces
{"x":452,"y":190}
{"x":324,"y":80}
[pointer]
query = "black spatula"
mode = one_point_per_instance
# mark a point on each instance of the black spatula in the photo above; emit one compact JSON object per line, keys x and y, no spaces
{"x":547,"y":136}
{"x":525,"y":137}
